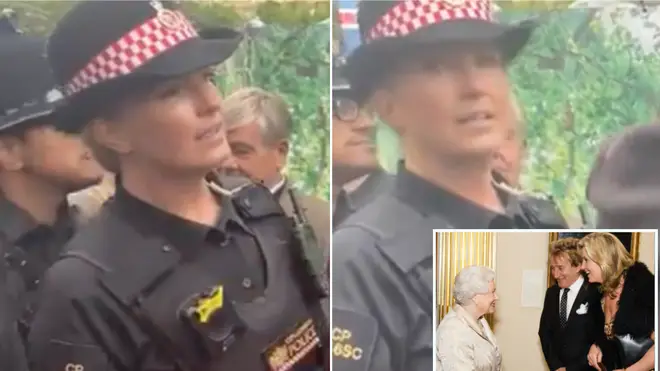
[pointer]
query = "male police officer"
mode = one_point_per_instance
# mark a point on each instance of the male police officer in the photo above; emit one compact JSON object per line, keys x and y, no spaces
{"x":171,"y":275}
{"x":39,"y":165}
{"x":357,"y":178}
{"x":435,"y":72}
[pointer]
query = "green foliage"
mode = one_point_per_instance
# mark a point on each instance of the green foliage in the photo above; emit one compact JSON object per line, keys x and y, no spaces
{"x":577,"y":86}
{"x":290,"y":55}
{"x":39,"y":17}
{"x":533,"y":5}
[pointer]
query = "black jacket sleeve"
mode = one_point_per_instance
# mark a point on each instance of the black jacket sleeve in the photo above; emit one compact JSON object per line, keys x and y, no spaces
{"x":546,"y":334}
{"x":12,"y":352}
{"x":636,"y":315}
{"x":72,"y":327}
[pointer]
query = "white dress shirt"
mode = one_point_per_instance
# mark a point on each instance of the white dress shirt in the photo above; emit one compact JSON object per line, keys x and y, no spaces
{"x":572,"y":294}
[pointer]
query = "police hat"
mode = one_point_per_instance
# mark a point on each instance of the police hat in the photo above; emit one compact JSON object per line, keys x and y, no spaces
{"x":396,"y":26}
{"x":99,"y":43}
{"x":27,"y":89}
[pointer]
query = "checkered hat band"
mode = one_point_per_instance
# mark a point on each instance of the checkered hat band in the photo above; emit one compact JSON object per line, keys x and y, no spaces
{"x":137,"y":47}
{"x":410,"y":15}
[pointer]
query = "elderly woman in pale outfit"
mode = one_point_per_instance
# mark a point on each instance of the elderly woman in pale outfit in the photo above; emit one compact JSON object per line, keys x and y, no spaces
{"x":465,"y":342}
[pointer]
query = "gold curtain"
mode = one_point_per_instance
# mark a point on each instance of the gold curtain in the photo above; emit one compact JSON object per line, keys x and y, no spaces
{"x":455,"y":251}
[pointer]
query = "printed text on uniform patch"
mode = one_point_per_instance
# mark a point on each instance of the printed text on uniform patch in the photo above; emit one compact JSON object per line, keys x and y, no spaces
{"x":283,"y":354}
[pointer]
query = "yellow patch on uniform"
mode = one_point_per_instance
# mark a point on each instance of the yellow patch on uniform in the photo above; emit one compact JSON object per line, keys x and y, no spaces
{"x":288,"y":350}
{"x":208,"y":305}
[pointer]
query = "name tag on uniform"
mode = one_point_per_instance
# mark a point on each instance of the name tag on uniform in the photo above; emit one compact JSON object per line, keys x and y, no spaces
{"x":353,"y":340}
{"x":289,"y":350}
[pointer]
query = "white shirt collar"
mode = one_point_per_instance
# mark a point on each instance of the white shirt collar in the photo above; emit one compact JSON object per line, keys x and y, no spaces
{"x":354,"y":184}
{"x":277,"y":186}
{"x":575,"y":287}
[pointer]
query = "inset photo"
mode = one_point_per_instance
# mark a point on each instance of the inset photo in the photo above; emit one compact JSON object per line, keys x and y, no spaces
{"x":540,"y":300}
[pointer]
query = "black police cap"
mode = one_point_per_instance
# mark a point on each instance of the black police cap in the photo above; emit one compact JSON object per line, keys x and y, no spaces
{"x":27,"y":88}
{"x":101,"y":46}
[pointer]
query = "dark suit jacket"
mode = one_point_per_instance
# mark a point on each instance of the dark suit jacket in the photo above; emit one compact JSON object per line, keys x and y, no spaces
{"x":568,"y":347}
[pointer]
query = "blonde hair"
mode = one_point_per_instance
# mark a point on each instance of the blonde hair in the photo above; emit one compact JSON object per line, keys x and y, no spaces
{"x":254,"y":105}
{"x":607,"y":251}
{"x":570,"y":247}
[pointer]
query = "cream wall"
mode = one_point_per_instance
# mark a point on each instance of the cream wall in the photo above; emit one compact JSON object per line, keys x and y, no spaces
{"x":647,"y":250}
{"x":516,"y":326}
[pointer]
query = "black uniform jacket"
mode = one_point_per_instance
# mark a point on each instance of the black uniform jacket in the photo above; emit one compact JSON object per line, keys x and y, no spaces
{"x":144,"y":290}
{"x":382,"y":271}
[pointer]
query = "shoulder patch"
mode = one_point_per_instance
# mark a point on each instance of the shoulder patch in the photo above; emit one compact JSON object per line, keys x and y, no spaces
{"x":353,"y":340}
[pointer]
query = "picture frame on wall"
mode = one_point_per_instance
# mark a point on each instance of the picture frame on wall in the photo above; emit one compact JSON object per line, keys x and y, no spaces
{"x":629,"y":239}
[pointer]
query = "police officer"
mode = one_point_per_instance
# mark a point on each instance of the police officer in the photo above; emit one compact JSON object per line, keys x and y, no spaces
{"x":39,"y":164}
{"x":174,"y":273}
{"x":357,"y":177}
{"x":435,"y":72}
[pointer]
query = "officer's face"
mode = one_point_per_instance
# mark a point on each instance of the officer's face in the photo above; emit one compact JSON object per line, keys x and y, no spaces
{"x":353,"y":136}
{"x":177,"y":125}
{"x":452,"y":100}
{"x":59,"y":158}
{"x":259,"y":160}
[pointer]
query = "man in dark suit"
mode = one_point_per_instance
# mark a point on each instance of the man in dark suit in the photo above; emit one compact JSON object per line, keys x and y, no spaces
{"x":259,"y":126}
{"x":572,"y":317}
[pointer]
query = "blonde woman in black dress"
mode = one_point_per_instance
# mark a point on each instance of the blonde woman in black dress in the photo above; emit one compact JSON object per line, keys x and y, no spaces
{"x":628,"y":302}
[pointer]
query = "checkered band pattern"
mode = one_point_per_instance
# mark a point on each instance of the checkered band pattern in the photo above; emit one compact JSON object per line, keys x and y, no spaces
{"x":410,"y":15}
{"x":137,"y":47}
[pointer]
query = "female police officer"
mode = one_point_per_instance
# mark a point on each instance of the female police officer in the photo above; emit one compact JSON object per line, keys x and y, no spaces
{"x":436,"y":72}
{"x":171,"y":275}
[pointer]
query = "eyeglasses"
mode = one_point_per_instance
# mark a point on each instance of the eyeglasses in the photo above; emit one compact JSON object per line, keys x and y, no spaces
{"x":345,"y":109}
